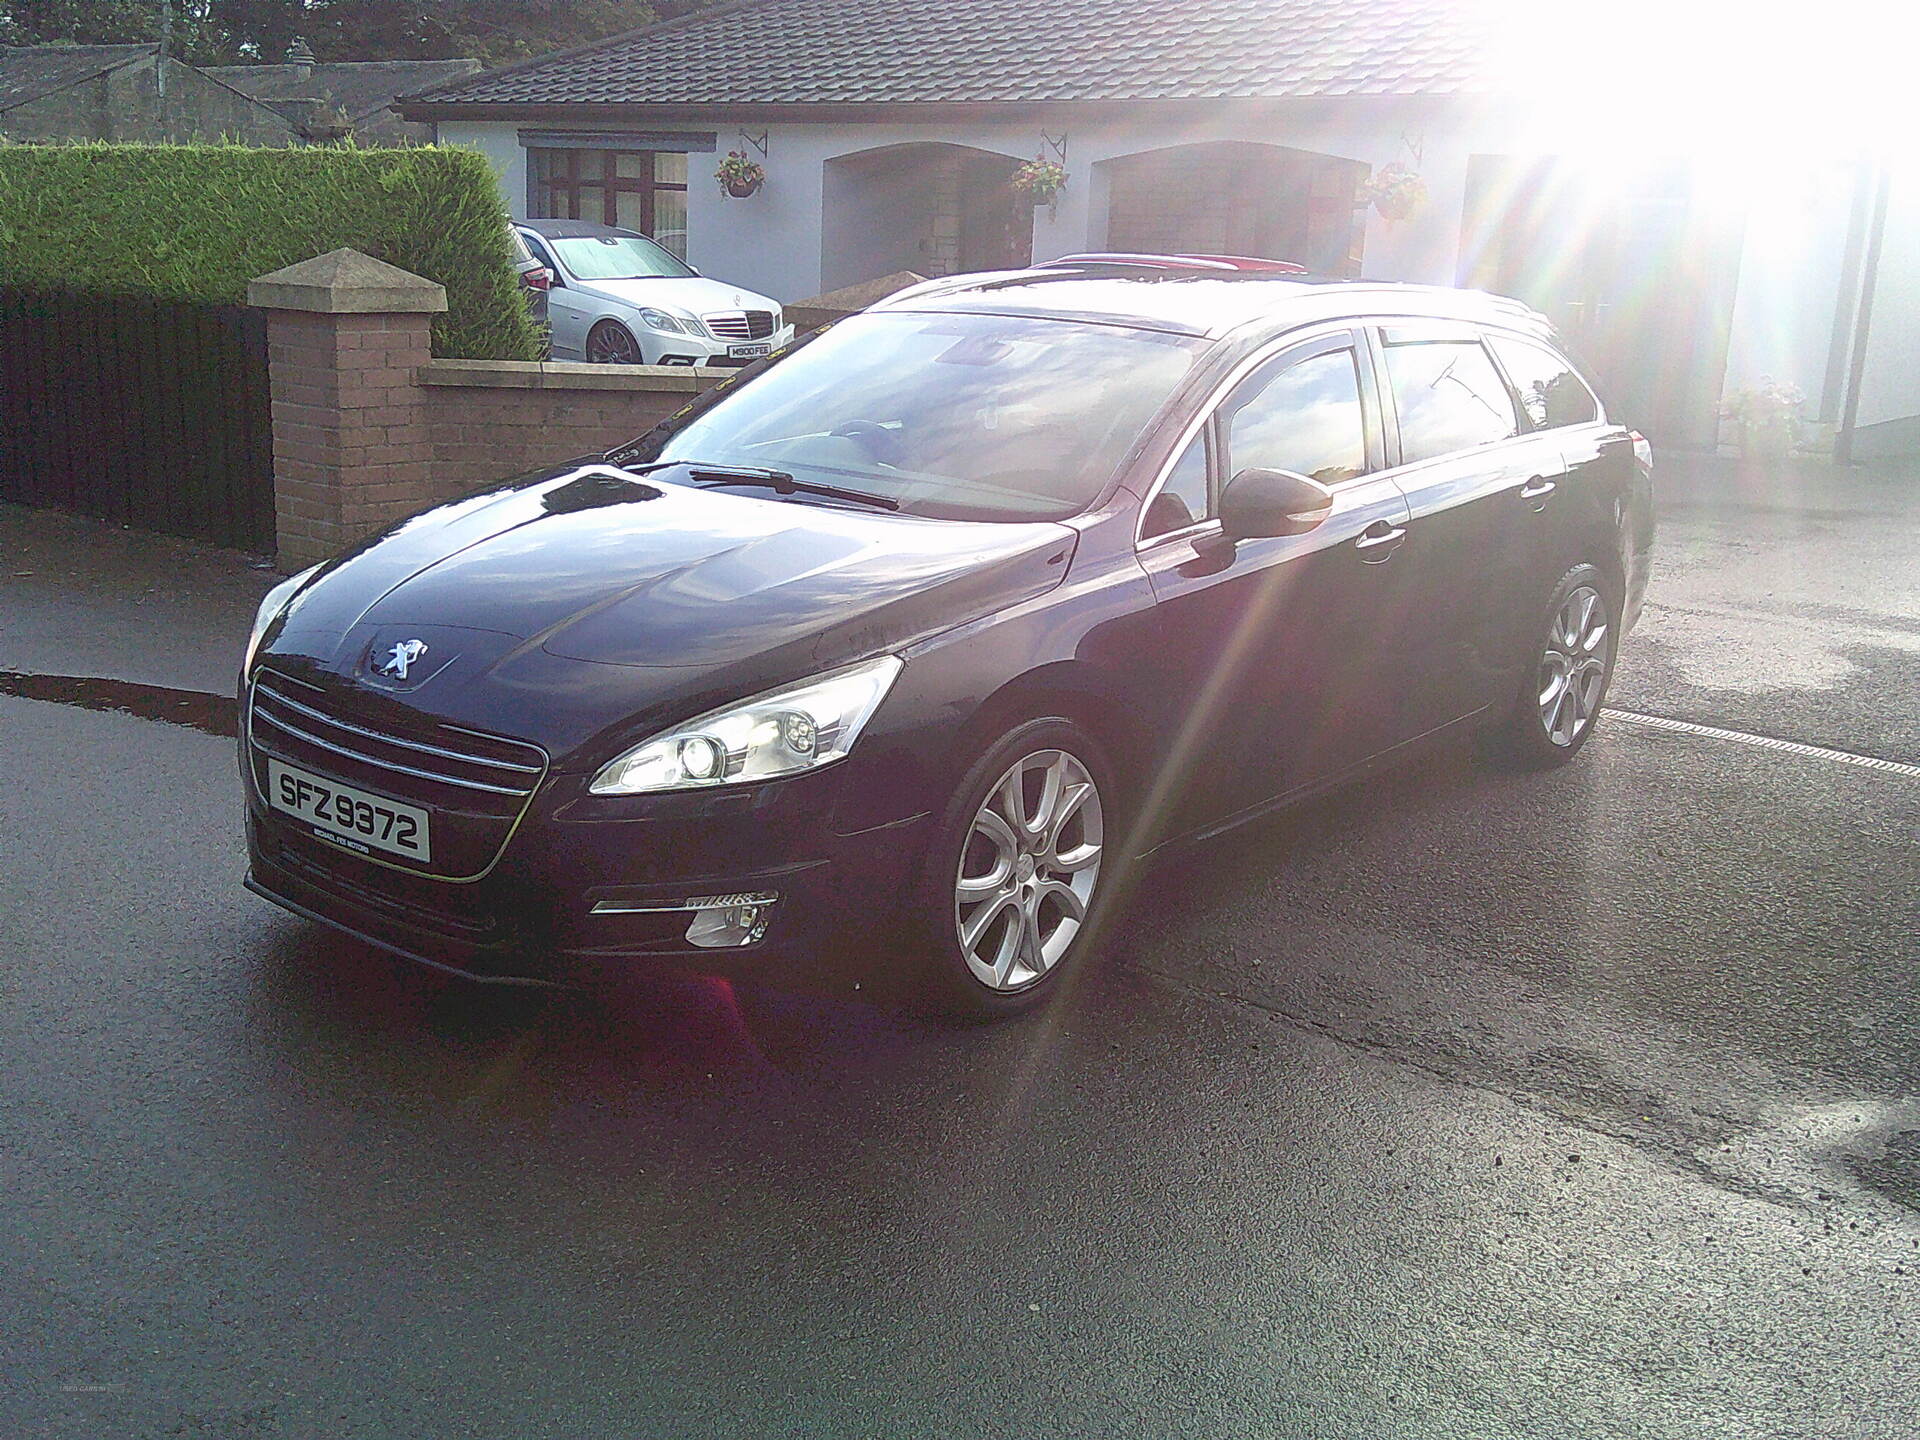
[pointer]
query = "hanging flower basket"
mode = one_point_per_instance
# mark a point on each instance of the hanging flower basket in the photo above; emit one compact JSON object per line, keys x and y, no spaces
{"x":739,"y":176}
{"x":1394,"y":190}
{"x":1041,"y":180}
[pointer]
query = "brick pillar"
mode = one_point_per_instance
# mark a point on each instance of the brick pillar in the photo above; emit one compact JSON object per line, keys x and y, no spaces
{"x":346,"y":338}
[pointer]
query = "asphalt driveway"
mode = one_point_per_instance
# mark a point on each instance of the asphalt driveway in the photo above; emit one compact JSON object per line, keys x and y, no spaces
{"x":1456,"y":1104}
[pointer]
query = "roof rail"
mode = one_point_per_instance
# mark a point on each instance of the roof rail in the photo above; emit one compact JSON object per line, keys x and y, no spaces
{"x":1234,"y":264}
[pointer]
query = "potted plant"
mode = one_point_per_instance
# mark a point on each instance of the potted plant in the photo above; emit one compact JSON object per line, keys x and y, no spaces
{"x":739,"y":176}
{"x":1765,"y":422}
{"x":1041,"y":181}
{"x":1394,"y":190}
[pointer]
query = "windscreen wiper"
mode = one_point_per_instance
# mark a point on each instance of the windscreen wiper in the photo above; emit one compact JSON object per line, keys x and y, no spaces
{"x":778,"y":481}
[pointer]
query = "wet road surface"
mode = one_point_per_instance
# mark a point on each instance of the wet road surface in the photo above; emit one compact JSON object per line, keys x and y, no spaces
{"x":1458,"y":1103}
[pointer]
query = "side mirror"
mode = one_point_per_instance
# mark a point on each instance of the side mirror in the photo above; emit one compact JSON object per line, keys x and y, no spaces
{"x":1258,"y":503}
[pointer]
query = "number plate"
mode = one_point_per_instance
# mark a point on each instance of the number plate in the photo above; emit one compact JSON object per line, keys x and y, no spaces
{"x":353,"y":818}
{"x":749,"y":352}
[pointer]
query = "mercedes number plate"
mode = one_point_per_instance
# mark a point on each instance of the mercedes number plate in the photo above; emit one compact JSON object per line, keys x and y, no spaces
{"x":353,"y":818}
{"x":750,"y":352}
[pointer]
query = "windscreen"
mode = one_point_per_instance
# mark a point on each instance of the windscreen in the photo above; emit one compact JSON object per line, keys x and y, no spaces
{"x":617,"y":257}
{"x":977,"y":417}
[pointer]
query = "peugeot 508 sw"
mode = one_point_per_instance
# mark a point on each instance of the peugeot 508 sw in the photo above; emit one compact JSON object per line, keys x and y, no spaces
{"x":892,"y":650}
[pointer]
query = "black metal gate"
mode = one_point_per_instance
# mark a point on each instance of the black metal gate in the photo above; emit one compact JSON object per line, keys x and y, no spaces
{"x":149,"y":412}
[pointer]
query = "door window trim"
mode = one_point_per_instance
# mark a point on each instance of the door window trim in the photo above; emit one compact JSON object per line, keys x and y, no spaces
{"x":1340,"y":335}
{"x":1439,"y":333}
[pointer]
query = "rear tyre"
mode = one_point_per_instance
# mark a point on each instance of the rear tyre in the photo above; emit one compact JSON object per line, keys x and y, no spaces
{"x":611,"y":343}
{"x":1565,"y":682}
{"x":1016,"y":875}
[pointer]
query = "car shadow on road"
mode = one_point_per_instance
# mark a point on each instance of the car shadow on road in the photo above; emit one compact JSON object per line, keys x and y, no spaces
{"x":670,"y":1023}
{"x":390,"y":1028}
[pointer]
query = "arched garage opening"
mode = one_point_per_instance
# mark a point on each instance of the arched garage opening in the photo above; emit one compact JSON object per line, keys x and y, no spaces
{"x":1235,"y":197}
{"x":932,"y":208}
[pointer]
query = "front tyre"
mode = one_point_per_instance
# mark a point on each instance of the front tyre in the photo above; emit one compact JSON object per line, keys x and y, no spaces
{"x":1014,"y":876}
{"x":611,"y":343}
{"x":1566,"y":682}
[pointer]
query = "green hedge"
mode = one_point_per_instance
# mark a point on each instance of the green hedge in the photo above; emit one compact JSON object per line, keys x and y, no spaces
{"x":197,"y":222}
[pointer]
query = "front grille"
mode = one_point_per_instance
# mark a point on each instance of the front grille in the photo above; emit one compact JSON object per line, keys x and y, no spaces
{"x":476,"y":786}
{"x":741,"y":325}
{"x":404,"y":898}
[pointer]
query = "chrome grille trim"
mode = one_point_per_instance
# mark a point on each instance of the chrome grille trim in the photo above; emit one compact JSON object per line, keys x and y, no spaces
{"x":392,"y":765}
{"x":741,"y":324}
{"x":324,"y":718}
{"x":479,"y":839}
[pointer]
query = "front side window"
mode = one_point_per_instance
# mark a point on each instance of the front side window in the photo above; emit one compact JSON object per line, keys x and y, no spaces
{"x":1449,"y":397}
{"x":975,"y":417}
{"x":1550,"y":392}
{"x":644,"y":190}
{"x":1182,"y":500}
{"x":1302,"y":416}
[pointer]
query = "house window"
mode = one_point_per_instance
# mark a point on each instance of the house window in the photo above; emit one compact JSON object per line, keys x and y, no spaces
{"x":644,"y":190}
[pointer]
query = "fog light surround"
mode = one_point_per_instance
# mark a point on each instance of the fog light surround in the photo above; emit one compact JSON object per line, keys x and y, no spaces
{"x":720,"y":922}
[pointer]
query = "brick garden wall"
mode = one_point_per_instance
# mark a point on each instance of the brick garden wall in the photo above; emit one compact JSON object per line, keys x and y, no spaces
{"x":368,"y":427}
{"x":488,"y":420}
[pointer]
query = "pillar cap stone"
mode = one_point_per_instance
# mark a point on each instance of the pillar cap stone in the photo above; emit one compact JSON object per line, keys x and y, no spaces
{"x":345,"y":282}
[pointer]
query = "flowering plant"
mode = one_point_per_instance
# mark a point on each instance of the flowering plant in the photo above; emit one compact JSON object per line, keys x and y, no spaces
{"x":1764,"y":416}
{"x":1394,"y":190}
{"x":739,"y":176}
{"x":1043,"y":180}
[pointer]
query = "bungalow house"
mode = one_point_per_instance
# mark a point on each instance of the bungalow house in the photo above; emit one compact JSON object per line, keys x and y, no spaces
{"x":1692,"y":227}
{"x":355,"y":94}
{"x":124,"y":93}
{"x":139,"y":94}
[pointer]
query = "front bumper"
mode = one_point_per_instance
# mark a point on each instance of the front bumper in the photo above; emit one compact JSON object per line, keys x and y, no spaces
{"x":699,"y":350}
{"x":532,"y":918}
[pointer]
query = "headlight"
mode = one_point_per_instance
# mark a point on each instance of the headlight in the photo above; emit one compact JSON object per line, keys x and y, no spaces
{"x":779,"y":733}
{"x":276,"y":601}
{"x":672,"y":324}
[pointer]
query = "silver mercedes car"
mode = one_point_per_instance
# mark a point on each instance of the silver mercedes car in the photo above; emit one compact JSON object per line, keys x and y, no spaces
{"x":618,"y":298}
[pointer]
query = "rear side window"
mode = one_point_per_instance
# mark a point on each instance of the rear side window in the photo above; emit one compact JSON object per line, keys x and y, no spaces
{"x":1449,"y":397}
{"x":1302,"y":416}
{"x":536,"y":248}
{"x":1550,"y":392}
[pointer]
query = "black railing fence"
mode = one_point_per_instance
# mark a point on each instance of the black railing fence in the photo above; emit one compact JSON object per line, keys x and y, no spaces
{"x":149,"y":412}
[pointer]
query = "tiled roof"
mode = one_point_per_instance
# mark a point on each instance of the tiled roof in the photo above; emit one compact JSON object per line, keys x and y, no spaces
{"x":855,"y":52}
{"x":356,"y":88}
{"x":28,"y":72}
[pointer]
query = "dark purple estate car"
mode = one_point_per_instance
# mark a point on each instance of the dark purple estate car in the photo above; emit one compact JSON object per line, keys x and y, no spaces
{"x":893,"y":649}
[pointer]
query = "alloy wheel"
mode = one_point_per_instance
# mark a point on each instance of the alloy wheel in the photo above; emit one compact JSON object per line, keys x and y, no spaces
{"x":612,"y":345}
{"x":1573,"y":669}
{"x":1028,"y":870}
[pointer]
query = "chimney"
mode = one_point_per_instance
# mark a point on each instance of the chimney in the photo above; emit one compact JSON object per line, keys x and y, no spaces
{"x":300,"y":57}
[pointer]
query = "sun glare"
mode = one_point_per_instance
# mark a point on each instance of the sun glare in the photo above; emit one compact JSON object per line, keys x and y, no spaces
{"x":1745,"y":82}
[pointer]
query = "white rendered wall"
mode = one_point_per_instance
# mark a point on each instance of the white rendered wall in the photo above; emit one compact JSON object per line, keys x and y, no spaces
{"x":1890,"y":383}
{"x":1790,"y":269}
{"x":772,"y":242}
{"x":1784,"y":305}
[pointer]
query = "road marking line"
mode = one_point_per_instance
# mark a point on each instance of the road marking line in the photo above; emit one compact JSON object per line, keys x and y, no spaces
{"x":1765,"y":742}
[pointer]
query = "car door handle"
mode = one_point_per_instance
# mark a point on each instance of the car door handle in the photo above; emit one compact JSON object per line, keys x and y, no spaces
{"x":1538,"y":488}
{"x":1380,"y":540}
